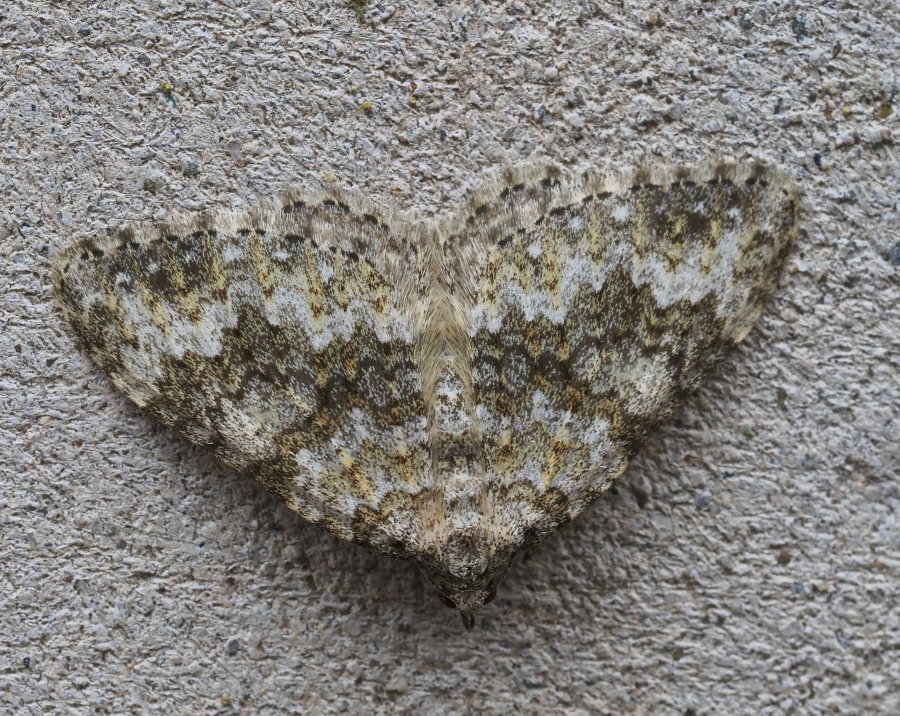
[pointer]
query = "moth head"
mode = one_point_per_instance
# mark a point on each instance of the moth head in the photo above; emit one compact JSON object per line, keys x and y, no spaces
{"x":469,"y":601}
{"x":465,"y":570}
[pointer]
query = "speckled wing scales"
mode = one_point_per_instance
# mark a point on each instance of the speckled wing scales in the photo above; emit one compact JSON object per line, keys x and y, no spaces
{"x":282,"y":340}
{"x":448,"y":392}
{"x":595,"y":304}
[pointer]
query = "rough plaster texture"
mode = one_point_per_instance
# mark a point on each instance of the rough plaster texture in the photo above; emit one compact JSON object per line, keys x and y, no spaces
{"x":747,"y":563}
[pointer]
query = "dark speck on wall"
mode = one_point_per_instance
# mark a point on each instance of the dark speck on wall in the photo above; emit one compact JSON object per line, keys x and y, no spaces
{"x":895,"y":254}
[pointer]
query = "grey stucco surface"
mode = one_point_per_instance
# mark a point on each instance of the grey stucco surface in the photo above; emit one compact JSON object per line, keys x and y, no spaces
{"x":747,"y":562}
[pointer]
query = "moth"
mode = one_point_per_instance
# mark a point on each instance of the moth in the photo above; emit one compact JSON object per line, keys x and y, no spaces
{"x":449,"y":391}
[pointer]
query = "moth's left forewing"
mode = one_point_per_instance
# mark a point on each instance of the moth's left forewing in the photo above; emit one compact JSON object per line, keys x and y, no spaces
{"x":282,"y":339}
{"x":597,"y":302}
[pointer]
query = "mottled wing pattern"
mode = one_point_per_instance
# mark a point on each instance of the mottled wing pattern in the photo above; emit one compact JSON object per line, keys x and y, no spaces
{"x":595,"y":303}
{"x":282,"y":340}
{"x":448,"y":392}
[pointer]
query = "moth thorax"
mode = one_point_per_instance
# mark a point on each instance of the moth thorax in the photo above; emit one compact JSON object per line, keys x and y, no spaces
{"x":452,"y":408}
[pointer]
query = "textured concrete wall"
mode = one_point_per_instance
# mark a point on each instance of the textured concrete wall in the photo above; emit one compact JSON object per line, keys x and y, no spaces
{"x":748,"y":561}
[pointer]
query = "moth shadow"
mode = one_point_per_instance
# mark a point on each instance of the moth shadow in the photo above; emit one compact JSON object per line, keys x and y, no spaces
{"x":599,"y":557}
{"x":619,"y":547}
{"x":377,"y":587}
{"x":353,"y":577}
